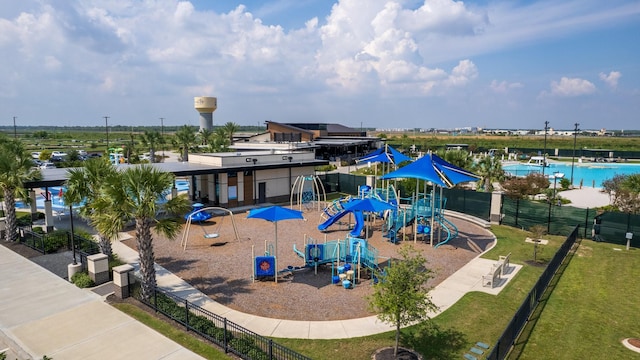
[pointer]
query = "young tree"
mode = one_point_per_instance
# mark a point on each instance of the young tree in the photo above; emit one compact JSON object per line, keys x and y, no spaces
{"x":132,"y":195}
{"x":520,"y":188}
{"x":16,"y":168}
{"x":401,"y":296}
{"x":85,"y":185}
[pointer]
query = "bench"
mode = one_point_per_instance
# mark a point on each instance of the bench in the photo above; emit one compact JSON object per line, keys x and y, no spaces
{"x":492,"y":276}
{"x":504,"y":262}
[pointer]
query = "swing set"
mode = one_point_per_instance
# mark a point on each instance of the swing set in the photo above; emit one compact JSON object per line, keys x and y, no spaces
{"x":215,"y":234}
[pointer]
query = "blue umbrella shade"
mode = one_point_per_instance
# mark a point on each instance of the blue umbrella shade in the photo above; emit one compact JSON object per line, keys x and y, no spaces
{"x":393,"y":156}
{"x":368,"y":204}
{"x":275,"y":213}
{"x":433,"y":168}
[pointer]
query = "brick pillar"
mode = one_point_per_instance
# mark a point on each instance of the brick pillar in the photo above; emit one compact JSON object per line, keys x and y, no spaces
{"x":122,"y":280}
{"x":98,"y":266}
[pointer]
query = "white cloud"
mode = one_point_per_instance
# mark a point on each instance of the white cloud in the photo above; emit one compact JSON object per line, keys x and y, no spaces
{"x":570,"y":87}
{"x":611,"y":79}
{"x":504,"y":86}
{"x":96,"y":52}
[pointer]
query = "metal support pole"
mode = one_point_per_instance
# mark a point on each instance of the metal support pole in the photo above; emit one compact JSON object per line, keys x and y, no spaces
{"x":544,"y":154}
{"x":106,"y":126}
{"x":15,"y":133}
{"x":573,"y":158}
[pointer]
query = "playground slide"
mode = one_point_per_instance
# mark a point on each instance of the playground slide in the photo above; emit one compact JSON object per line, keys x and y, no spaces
{"x":357,"y":229}
{"x":450,"y":228}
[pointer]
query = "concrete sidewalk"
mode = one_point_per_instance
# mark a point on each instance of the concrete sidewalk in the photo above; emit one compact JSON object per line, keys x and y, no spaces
{"x":43,"y":314}
{"x":447,"y":293}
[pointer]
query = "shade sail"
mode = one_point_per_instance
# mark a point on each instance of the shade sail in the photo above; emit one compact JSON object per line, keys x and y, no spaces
{"x":388,"y":155}
{"x":433,"y":168}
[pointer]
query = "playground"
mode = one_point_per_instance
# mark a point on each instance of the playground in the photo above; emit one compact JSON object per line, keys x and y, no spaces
{"x":222,"y":265}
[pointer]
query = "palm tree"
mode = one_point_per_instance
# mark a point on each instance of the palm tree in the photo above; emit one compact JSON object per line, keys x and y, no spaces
{"x":220,"y":140}
{"x":132,"y":195}
{"x":152,"y":139}
{"x":185,"y":137}
{"x":205,"y":136}
{"x":16,"y":167}
{"x":231,"y":128}
{"x":85,"y":185}
{"x":490,"y":169}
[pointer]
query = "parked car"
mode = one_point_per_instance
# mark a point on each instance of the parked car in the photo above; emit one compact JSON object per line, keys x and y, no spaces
{"x":35,"y":154}
{"x":47,"y":165}
{"x":55,"y":159}
{"x":58,"y":154}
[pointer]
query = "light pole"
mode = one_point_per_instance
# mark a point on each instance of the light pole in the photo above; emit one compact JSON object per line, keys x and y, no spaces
{"x":556,"y":175}
{"x":15,"y":133}
{"x":544,"y":154}
{"x":106,"y":126}
{"x":573,"y":158}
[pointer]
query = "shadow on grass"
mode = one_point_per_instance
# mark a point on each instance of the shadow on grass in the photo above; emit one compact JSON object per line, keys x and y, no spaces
{"x":434,"y":342}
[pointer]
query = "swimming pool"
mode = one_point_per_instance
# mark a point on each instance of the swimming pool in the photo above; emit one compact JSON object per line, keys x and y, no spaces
{"x":587,"y":174}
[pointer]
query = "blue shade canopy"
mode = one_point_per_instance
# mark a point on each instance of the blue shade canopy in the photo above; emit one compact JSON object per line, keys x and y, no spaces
{"x":368,"y":204}
{"x":398,"y":157}
{"x":381,"y":155}
{"x":433,"y":168}
{"x":275,"y":213}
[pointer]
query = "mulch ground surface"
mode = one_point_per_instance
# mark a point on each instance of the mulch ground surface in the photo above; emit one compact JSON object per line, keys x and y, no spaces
{"x":222,"y":267}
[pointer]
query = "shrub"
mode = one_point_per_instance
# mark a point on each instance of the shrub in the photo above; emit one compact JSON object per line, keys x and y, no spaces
{"x":55,"y":241}
{"x":82,"y":280}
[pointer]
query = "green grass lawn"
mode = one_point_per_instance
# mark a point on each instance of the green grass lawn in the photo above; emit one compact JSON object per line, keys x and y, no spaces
{"x":591,"y":309}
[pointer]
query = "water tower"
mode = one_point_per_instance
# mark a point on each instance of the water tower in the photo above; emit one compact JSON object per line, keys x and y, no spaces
{"x":205,"y":105}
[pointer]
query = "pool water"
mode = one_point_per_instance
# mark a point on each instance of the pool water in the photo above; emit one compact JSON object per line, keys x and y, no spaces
{"x":585,"y":174}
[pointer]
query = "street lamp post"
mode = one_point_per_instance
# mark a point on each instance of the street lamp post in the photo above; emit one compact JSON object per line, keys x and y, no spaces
{"x":106,"y":126}
{"x":15,"y":133}
{"x":556,"y":175}
{"x":573,"y":158}
{"x":544,"y":154}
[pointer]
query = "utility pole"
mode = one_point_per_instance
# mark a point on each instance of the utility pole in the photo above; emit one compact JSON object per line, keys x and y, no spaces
{"x":106,"y":126}
{"x":15,"y":133}
{"x":544,"y":159}
{"x":162,"y":135}
{"x":573,"y":158}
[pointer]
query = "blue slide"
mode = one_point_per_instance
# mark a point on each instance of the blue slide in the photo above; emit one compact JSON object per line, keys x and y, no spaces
{"x":357,"y":229}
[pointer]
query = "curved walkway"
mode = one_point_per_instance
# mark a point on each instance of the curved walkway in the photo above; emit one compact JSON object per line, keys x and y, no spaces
{"x":444,"y":295}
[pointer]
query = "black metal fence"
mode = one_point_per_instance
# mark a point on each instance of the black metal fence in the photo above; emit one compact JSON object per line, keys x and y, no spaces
{"x":612,"y":226}
{"x":345,"y":183}
{"x":231,"y":337}
{"x":520,"y":318}
{"x":47,"y":243}
{"x":474,"y":203}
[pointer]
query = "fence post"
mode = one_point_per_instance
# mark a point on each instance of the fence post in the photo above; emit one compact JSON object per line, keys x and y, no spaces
{"x":224,"y":337}
{"x":186,"y":314}
{"x":270,"y":349}
{"x":155,"y":299}
{"x":517,"y":210}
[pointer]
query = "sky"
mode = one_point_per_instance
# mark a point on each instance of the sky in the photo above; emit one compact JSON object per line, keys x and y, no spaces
{"x":374,"y":63}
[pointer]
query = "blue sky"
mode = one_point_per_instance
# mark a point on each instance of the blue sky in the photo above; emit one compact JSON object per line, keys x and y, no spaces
{"x":384,"y":64}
